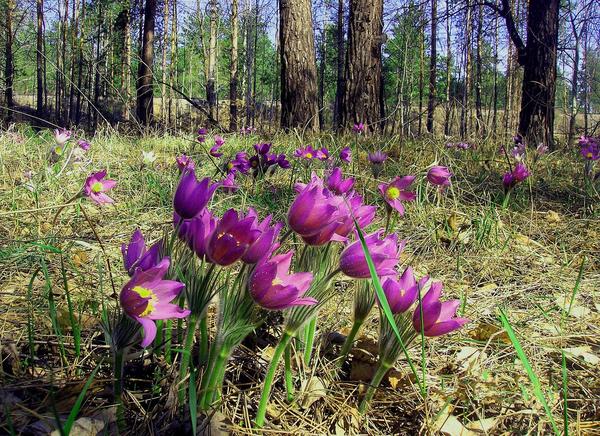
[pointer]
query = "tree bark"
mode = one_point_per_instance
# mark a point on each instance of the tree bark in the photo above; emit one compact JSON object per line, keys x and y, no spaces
{"x":480,"y":127}
{"x":40,"y":58}
{"x":447,"y":126}
{"x":322,"y":63}
{"x":432,"y":67}
{"x":211,"y":85}
{"x":299,"y":104}
{"x":9,"y":69}
{"x":363,"y":96}
{"x":165,"y":40}
{"x":466,"y":103}
{"x":233,"y":78}
{"x":340,"y":80}
{"x":145,"y":95}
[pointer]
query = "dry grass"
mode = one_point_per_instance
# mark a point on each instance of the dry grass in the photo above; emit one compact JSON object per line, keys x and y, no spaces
{"x":524,"y":259}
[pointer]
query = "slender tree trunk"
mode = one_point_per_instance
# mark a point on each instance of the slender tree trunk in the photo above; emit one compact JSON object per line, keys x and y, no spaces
{"x":40,"y":58}
{"x":465,"y":113}
{"x":80,"y":70}
{"x":165,"y":40}
{"x":9,"y":70}
{"x":233,"y":78}
{"x":421,"y":68}
{"x":322,"y":63}
{"x":447,"y":124}
{"x":96,"y":98}
{"x":574,"y":79}
{"x":173,"y":70}
{"x":126,"y":60}
{"x":363,"y":96}
{"x":495,"y":87}
{"x":144,"y":80}
{"x":340,"y":79}
{"x":480,"y":127}
{"x":586,"y":77}
{"x":249,"y":46}
{"x":211,"y":90}
{"x":299,"y":104}
{"x":432,"y":67}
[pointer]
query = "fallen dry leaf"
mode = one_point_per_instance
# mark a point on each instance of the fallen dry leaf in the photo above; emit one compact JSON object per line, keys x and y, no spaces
{"x":584,"y":352}
{"x":313,"y":389}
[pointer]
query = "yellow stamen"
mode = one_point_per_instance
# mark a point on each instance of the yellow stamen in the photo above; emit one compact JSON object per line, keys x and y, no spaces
{"x":589,"y":155}
{"x":229,"y":166}
{"x":97,"y":187}
{"x":151,"y":297}
{"x":276,"y":281}
{"x":309,"y":155}
{"x":392,"y":192}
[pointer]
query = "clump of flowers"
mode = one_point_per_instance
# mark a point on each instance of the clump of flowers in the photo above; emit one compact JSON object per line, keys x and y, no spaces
{"x":460,"y":145}
{"x":514,"y":177}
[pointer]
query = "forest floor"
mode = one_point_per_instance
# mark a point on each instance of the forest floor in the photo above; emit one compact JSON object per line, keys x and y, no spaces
{"x":536,"y":259}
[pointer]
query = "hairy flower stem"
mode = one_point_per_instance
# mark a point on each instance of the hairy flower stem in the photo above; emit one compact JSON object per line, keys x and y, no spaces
{"x":118,"y":387}
{"x":382,"y":369}
{"x":203,"y":339}
{"x":309,"y":340}
{"x":349,"y":341}
{"x":289,"y":382}
{"x":186,"y":355}
{"x":215,"y":374}
{"x":266,"y":392}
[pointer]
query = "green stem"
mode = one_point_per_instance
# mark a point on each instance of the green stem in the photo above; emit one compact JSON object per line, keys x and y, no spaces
{"x":203,"y":339}
{"x":118,"y":387}
{"x":382,"y":370}
{"x":349,"y":341}
{"x":309,"y":340}
{"x":159,"y":341}
{"x":168,"y":340}
{"x":266,"y":392}
{"x":214,"y":378}
{"x":289,"y":382}
{"x":186,"y":355}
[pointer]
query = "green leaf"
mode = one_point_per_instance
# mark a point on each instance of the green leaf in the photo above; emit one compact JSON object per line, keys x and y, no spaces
{"x":77,"y":406}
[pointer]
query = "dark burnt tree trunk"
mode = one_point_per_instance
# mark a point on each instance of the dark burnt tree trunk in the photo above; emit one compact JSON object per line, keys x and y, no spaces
{"x":432,"y":67}
{"x":211,"y":80}
{"x":299,"y":103}
{"x":363,"y":96}
{"x":9,"y":70}
{"x":339,"y":85}
{"x":233,"y":78}
{"x":322,"y":63}
{"x":40,"y":58}
{"x":144,"y":109}
{"x":538,"y":58}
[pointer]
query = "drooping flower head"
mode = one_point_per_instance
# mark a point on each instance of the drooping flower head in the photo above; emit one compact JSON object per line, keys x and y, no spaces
{"x":96,"y":186}
{"x":384,"y":252}
{"x":439,"y":175}
{"x":272,"y":287}
{"x":231,"y":238}
{"x":266,"y":243}
{"x":395,"y":192}
{"x":346,"y":155}
{"x":439,"y":318}
{"x":358,"y":128}
{"x":192,"y":196}
{"x":136,"y":256}
{"x":147,"y":298}
{"x":377,"y":159}
{"x":184,"y":162}
{"x":61,"y":136}
{"x":337,"y":184}
{"x":228,"y":183}
{"x":401,"y":293}
{"x":83,"y":144}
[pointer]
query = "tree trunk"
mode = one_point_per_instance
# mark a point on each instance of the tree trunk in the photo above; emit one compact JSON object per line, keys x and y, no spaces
{"x":432,"y":67}
{"x":145,"y":94}
{"x":233,"y":78}
{"x":363,"y":96}
{"x":465,"y":113}
{"x":480,"y":127}
{"x":322,"y":63}
{"x":9,"y":70}
{"x":447,"y":125}
{"x":163,"y":93}
{"x":299,"y":104}
{"x":340,"y":80}
{"x":173,"y":70}
{"x":126,"y":61}
{"x":211,"y":89}
{"x":40,"y":58}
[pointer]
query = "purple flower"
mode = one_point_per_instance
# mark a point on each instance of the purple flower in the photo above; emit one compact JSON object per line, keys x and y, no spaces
{"x":307,"y":153}
{"x":231,"y":238}
{"x":346,"y":155}
{"x":542,"y":149}
{"x":202,"y":132}
{"x":136,"y":256}
{"x":519,"y":151}
{"x":358,"y":128}
{"x":364,"y":215}
{"x":312,"y":210}
{"x":197,"y":232}
{"x":273,"y":288}
{"x":520,"y":172}
{"x":401,"y":293}
{"x":184,"y":162}
{"x":83,"y":144}
{"x":192,"y":196}
{"x":322,"y":154}
{"x":61,"y":136}
{"x":395,"y":192}
{"x":384,"y":252}
{"x":439,"y":175}
{"x":337,"y":184}
{"x":263,"y":148}
{"x":438,"y":318}
{"x":265,"y":244}
{"x":589,"y":147}
{"x":508,"y":180}
{"x":254,"y":162}
{"x":228,"y":183}
{"x":378,"y":157}
{"x":95,"y":187}
{"x":239,"y":164}
{"x":283,"y":162}
{"x":214,"y":150}
{"x":247,"y":130}
{"x":147,"y":298}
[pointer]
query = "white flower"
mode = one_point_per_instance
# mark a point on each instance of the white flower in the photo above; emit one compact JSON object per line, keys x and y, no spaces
{"x":148,"y":157}
{"x":61,"y":136}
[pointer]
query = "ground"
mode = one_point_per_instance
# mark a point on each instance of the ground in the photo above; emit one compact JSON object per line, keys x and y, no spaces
{"x":536,"y":260}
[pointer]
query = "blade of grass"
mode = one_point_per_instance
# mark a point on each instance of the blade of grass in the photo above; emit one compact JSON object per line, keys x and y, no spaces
{"x":193,"y":400}
{"x":72,"y":318}
{"x":385,"y":305}
{"x":77,"y":406}
{"x":565,"y":382}
{"x":533,"y":378}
